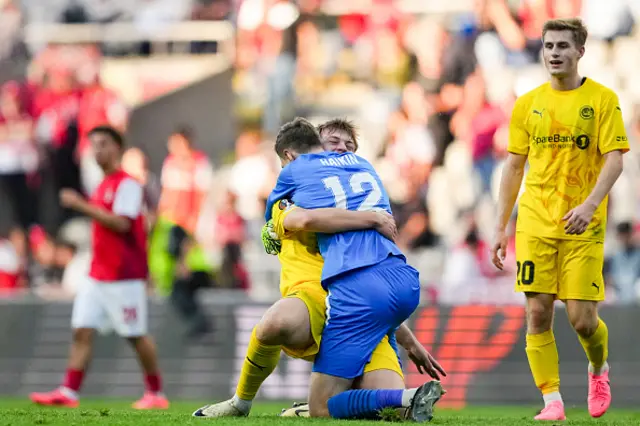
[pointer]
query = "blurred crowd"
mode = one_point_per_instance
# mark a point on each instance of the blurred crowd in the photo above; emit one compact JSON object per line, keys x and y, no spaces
{"x":430,"y":92}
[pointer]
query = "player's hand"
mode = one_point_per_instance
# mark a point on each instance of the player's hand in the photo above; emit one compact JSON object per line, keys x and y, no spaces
{"x":386,"y":225}
{"x":270,"y":240}
{"x":425,"y":362}
{"x":578,"y":219}
{"x":499,"y":249}
{"x":70,"y":198}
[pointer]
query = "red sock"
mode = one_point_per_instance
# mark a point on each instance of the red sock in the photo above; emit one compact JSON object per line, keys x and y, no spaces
{"x":153,"y":383}
{"x":73,"y":379}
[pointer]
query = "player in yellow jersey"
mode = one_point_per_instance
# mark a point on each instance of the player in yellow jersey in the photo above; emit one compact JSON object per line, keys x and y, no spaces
{"x":295,"y":323}
{"x":572,"y":133}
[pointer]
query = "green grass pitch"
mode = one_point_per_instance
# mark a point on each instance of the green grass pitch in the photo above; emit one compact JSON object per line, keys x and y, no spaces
{"x":15,"y":412}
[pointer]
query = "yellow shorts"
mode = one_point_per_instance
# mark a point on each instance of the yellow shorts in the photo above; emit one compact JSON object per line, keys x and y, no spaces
{"x":313,"y":295}
{"x":569,"y":269}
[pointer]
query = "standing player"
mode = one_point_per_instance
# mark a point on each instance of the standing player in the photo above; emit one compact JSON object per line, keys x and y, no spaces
{"x":571,"y":131}
{"x":295,"y":323}
{"x":371,"y":289}
{"x":115,"y":292}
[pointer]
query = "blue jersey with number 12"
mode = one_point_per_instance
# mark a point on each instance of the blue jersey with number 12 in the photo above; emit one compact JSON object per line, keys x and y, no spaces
{"x":345,"y":181}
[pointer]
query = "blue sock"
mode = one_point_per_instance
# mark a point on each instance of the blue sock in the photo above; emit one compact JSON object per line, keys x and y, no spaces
{"x":363,"y":403}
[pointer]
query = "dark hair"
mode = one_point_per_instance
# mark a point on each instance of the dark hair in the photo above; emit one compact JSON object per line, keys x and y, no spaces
{"x":340,"y":124}
{"x":299,"y":135}
{"x":115,"y":135}
{"x":185,"y":132}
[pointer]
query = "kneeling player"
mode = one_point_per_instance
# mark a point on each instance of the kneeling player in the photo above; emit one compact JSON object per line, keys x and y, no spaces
{"x":371,"y":289}
{"x":295,"y":323}
{"x":114,"y":295}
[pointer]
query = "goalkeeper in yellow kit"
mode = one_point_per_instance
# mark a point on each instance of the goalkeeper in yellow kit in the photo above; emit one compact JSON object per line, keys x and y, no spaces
{"x":294,"y":324}
{"x":572,"y":133}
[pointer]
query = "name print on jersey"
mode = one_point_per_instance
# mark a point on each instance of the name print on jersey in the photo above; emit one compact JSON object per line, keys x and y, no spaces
{"x":345,"y":160}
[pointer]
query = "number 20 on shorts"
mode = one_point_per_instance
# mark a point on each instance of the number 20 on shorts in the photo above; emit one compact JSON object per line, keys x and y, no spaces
{"x":526,"y":272}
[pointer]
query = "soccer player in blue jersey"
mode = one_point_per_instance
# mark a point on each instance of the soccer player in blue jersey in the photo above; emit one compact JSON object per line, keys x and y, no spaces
{"x":371,"y":289}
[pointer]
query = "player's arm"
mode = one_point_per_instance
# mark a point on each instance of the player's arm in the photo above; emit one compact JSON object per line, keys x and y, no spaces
{"x":423,"y":360}
{"x":283,"y":190}
{"x":511,"y":180}
{"x":127,"y":205}
{"x":608,"y":176}
{"x":510,"y":184}
{"x":612,"y":143}
{"x":333,"y":220}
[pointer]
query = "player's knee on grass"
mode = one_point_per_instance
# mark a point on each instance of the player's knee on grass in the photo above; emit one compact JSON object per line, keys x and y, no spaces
{"x":539,"y":312}
{"x":583,"y":316}
{"x":286,"y":323}
{"x":379,"y":379}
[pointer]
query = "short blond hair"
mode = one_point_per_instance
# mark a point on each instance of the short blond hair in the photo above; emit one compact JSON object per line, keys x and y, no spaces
{"x":575,"y":25}
{"x":340,"y":124}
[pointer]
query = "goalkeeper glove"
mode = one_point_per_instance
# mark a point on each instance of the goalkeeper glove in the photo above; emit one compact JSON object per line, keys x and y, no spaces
{"x":270,"y":240}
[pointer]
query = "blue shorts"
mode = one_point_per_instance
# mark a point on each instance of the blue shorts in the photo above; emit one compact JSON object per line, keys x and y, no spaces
{"x":363,"y":306}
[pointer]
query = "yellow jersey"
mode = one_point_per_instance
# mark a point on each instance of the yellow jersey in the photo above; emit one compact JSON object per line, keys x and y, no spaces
{"x":564,"y":135}
{"x":299,"y":254}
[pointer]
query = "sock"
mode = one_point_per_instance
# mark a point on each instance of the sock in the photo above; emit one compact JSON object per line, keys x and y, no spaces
{"x":597,"y":348}
{"x":260,"y":361}
{"x":550,"y":397}
{"x":153,"y":383}
{"x":407,"y":396}
{"x":243,"y":405}
{"x":542,"y":354}
{"x":73,"y":380}
{"x":363,"y":403}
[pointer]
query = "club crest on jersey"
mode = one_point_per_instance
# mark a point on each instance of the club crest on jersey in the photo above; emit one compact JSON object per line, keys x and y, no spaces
{"x":587,"y":112}
{"x":108,"y":195}
{"x":284,"y":204}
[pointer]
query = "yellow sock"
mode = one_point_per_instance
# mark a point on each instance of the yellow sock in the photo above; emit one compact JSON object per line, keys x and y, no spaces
{"x":260,"y":361}
{"x":597,"y":346}
{"x":542,"y":353}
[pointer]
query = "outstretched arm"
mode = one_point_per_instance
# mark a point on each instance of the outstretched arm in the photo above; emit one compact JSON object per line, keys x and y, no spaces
{"x":425,"y":362}
{"x":127,"y":205}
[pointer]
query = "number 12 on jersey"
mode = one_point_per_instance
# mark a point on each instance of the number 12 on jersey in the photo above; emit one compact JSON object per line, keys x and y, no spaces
{"x":357,"y":183}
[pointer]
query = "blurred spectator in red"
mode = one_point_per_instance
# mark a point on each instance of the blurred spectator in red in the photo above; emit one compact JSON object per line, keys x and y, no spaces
{"x":98,"y":106}
{"x":476,"y":123}
{"x":186,"y":181}
{"x":56,"y":104}
{"x":468,"y":271}
{"x":18,"y":159}
{"x":230,"y":228}
{"x":229,"y":235}
{"x":11,"y":265}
